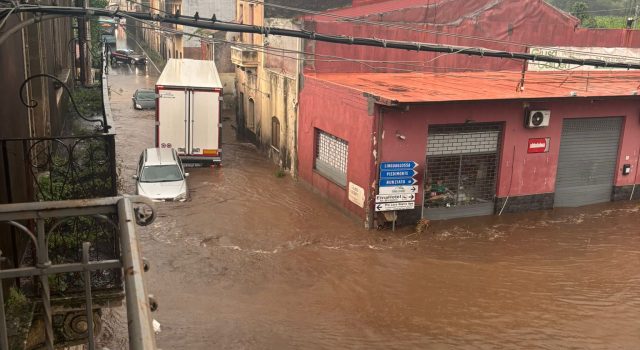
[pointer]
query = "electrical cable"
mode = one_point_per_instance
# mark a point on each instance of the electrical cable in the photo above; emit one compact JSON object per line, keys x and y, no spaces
{"x":410,"y":28}
{"x":552,"y":79}
{"x":338,"y":39}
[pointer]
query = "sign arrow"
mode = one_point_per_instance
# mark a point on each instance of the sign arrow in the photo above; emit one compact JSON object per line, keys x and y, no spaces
{"x":398,"y":165}
{"x":400,"y":181}
{"x":398,"y":190}
{"x":398,"y":173}
{"x":386,"y":198}
{"x":395,"y":206}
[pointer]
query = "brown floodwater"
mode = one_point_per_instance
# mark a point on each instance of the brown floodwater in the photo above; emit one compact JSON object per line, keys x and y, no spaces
{"x":254,"y":261}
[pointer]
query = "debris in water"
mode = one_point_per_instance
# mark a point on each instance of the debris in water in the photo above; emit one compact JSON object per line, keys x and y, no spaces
{"x":156,"y":326}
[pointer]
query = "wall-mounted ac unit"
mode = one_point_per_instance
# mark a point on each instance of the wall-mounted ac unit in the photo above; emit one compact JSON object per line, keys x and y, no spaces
{"x":537,"y":119}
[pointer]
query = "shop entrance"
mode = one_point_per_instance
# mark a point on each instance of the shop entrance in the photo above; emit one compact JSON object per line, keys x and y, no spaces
{"x":461,"y":170}
{"x":587,"y":161}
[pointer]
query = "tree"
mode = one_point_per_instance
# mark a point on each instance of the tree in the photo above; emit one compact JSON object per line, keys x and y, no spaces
{"x":580,"y":9}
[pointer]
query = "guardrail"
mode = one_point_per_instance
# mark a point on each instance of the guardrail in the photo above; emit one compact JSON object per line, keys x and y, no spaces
{"x":119,"y":212}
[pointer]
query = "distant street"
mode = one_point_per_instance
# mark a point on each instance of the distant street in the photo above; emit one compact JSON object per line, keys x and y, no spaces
{"x":254,"y":261}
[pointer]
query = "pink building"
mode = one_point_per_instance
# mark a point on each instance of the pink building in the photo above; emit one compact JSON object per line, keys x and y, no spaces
{"x":483,"y":145}
{"x":510,"y":25}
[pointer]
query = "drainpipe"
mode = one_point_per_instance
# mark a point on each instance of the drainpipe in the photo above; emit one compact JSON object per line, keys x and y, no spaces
{"x":377,"y":155}
{"x":635,"y":177}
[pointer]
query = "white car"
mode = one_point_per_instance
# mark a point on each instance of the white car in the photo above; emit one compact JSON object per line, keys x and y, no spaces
{"x":161,"y":176}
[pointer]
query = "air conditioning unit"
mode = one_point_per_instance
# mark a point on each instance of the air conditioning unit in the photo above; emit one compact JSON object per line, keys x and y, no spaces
{"x":537,"y":119}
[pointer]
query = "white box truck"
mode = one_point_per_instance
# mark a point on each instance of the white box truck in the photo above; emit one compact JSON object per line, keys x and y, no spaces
{"x":188,"y":107}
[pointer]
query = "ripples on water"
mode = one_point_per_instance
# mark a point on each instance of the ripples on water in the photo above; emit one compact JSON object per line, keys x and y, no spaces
{"x":298,"y":274}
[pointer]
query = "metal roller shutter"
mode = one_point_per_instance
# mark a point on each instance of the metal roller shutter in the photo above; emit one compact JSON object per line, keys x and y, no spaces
{"x":462,"y":161}
{"x":587,"y":161}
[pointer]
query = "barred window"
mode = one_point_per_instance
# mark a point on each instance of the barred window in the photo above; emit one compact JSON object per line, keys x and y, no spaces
{"x":332,"y":154}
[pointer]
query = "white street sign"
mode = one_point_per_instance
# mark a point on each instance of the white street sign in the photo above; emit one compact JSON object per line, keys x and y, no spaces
{"x":398,"y":190}
{"x":395,"y":206}
{"x":386,"y":198}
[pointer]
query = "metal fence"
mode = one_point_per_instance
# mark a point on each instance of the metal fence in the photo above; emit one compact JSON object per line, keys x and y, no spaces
{"x":118,"y":212}
{"x":64,"y":168}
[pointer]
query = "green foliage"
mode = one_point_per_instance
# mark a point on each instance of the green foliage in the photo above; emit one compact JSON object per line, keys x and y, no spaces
{"x":16,"y":302}
{"x":96,"y":34}
{"x":581,"y":10}
{"x":89,"y":101}
{"x":610,"y":22}
{"x":599,"y":7}
{"x":57,"y":284}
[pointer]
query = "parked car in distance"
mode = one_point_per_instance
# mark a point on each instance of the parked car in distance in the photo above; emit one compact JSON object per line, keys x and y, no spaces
{"x":160,"y":175}
{"x":144,"y":99}
{"x":128,"y":56}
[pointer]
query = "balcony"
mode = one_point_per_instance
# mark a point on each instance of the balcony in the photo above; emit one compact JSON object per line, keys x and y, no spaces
{"x":244,"y":57}
{"x":37,"y":315}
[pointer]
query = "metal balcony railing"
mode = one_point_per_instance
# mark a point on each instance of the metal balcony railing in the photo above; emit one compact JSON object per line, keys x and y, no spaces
{"x":37,"y":221}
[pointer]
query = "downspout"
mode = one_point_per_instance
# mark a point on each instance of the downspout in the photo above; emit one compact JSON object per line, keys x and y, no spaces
{"x":635,"y":177}
{"x":377,"y":155}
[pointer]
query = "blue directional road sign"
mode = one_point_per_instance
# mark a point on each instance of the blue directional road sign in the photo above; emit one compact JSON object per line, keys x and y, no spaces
{"x":397,"y":173}
{"x":398,"y":165}
{"x":398,"y":181}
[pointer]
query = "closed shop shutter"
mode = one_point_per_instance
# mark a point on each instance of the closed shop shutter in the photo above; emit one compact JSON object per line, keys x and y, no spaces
{"x":587,"y":161}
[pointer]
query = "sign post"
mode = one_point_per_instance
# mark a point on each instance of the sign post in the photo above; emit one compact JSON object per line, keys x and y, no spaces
{"x":397,"y":188}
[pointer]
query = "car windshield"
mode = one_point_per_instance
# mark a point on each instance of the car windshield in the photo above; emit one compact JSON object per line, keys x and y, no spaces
{"x":161,"y":173}
{"x":146,"y":95}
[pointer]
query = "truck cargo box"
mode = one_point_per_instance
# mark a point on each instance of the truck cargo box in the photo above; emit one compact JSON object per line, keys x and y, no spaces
{"x":188,"y":110}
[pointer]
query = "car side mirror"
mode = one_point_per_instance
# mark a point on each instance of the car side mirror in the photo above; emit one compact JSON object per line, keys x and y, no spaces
{"x":186,"y":174}
{"x":135,"y":177}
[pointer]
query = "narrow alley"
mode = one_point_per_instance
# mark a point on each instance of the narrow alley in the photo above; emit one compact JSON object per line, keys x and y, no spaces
{"x":254,"y":261}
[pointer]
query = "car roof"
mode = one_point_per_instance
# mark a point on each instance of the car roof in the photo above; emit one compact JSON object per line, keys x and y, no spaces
{"x":160,"y":156}
{"x":145,"y":90}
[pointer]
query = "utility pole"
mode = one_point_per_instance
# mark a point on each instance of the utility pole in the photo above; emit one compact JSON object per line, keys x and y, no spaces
{"x":84,"y":39}
{"x":87,"y":48}
{"x":635,"y":16}
{"x":81,"y":36}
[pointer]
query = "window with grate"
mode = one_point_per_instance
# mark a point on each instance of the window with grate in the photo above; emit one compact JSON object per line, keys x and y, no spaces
{"x":332,"y":154}
{"x":275,"y":133}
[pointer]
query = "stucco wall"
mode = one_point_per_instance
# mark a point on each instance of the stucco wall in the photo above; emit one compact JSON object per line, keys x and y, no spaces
{"x":342,"y":113}
{"x":225,"y":10}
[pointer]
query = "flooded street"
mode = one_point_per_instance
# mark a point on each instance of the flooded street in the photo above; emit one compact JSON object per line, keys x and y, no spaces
{"x":254,"y":261}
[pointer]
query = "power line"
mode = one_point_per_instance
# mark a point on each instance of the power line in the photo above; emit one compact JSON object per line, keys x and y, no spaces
{"x":324,"y":58}
{"x":558,"y":76}
{"x":414,"y":29}
{"x":337,"y":39}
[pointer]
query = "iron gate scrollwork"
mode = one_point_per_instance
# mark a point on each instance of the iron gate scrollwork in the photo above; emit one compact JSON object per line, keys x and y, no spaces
{"x":64,"y":168}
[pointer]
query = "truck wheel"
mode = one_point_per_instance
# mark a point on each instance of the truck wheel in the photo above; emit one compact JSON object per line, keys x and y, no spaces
{"x":131,"y":61}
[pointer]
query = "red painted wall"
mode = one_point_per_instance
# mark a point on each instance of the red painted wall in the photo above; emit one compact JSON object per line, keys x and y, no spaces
{"x":343,"y":113}
{"x":532,"y":22}
{"x":533,"y":173}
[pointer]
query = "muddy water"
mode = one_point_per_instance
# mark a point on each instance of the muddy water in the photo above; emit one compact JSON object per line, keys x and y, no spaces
{"x":253,"y":261}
